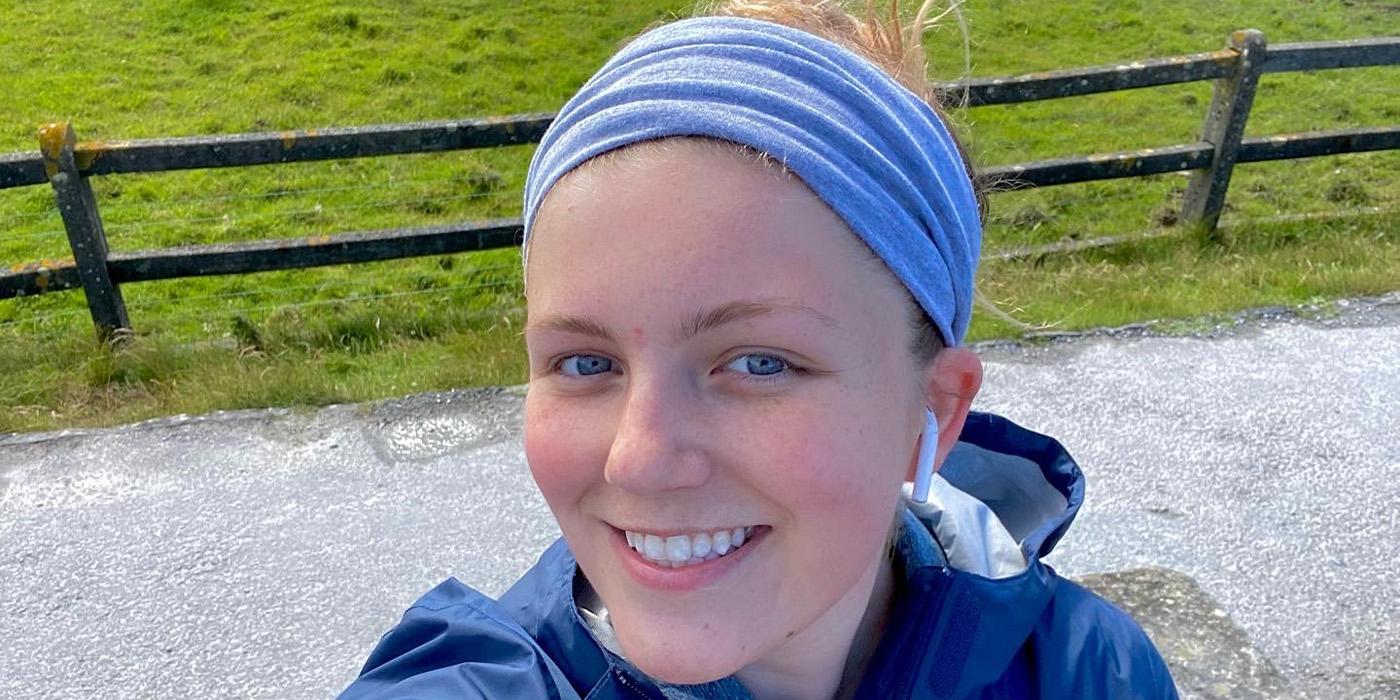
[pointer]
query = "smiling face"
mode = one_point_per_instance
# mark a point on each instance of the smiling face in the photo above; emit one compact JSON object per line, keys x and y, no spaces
{"x":711,"y":349}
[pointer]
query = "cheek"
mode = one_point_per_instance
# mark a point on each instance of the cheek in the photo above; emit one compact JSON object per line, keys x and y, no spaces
{"x":845,"y":459}
{"x":835,"y":475}
{"x":565,"y":456}
{"x":841,"y":504}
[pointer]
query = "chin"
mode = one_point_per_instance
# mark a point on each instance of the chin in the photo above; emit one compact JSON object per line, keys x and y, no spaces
{"x":667,"y":670}
{"x":679,"y":661}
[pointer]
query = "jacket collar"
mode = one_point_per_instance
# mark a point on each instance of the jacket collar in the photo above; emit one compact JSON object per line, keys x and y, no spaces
{"x":542,"y":601}
{"x":966,"y":626}
{"x":963,"y":628}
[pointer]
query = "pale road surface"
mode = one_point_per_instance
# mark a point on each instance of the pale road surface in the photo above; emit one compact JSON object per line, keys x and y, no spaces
{"x":261,"y":554}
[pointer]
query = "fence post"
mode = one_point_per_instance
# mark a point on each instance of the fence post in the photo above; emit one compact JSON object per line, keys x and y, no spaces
{"x":1231,"y":99}
{"x":85,"y":236}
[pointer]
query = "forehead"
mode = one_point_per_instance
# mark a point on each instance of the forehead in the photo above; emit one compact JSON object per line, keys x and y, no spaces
{"x":686,"y":221}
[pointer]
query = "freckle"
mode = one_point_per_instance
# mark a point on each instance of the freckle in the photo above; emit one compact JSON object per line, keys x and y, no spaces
{"x":789,"y":634}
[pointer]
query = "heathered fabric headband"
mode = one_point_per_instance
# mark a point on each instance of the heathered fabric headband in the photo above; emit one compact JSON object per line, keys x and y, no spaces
{"x":871,"y":149}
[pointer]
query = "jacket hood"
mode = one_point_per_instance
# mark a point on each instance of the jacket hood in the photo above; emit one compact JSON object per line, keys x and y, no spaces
{"x":963,"y":616}
{"x":1026,"y":479}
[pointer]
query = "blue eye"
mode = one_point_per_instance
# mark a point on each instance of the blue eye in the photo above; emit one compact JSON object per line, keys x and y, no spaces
{"x":758,"y":365}
{"x":584,"y":365}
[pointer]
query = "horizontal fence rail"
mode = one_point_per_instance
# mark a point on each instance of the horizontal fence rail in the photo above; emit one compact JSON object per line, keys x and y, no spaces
{"x":66,"y":164}
{"x":979,"y":92}
{"x":1326,"y":55}
{"x":239,"y":150}
{"x":1319,"y":55}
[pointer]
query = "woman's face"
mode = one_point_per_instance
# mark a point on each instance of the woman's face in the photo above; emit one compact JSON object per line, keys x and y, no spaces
{"x":711,"y":351}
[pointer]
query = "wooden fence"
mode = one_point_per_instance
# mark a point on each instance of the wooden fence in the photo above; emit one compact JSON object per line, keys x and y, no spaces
{"x":65,"y":164}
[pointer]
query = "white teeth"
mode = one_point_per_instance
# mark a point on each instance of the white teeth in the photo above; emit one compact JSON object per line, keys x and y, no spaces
{"x":678,"y":548}
{"x":655,"y":549}
{"x":677,"y":551}
{"x":721,"y":542}
{"x":700,"y":546}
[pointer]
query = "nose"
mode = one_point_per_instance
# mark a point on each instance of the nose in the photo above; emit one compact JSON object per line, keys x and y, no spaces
{"x":655,"y":448}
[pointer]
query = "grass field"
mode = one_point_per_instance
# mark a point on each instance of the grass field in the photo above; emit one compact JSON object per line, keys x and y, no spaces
{"x":1294,"y":232}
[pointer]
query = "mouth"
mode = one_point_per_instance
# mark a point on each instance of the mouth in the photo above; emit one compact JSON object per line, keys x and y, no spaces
{"x":678,"y":551}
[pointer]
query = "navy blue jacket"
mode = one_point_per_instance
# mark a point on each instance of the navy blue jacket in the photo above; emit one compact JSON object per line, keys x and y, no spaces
{"x":974,"y":617}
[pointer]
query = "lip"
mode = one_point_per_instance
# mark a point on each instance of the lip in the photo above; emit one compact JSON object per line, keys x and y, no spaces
{"x":690,"y":578}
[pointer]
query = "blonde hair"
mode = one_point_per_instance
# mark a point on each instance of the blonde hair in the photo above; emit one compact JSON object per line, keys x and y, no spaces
{"x":884,"y":37}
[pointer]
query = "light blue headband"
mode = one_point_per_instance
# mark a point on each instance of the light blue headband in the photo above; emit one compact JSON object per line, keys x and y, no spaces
{"x":875,"y":152}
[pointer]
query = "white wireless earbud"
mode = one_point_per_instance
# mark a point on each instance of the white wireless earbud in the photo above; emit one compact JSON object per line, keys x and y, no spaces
{"x":928,"y":449}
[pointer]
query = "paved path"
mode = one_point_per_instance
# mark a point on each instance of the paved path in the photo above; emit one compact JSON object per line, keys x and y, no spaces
{"x":260,"y":554}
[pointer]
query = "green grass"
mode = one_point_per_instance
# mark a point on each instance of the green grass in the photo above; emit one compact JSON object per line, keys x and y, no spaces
{"x":171,"y":68}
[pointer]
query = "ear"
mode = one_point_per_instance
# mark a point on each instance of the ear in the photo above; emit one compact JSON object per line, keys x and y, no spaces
{"x":949,"y":385}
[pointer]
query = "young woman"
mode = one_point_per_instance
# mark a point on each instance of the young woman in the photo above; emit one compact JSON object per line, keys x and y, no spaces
{"x":750,"y":250}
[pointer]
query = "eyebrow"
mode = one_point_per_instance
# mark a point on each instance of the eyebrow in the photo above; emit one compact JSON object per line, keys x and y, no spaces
{"x":699,"y":322}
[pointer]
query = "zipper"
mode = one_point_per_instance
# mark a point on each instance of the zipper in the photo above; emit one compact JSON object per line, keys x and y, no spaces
{"x":924,"y":632}
{"x":631,"y":685}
